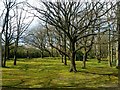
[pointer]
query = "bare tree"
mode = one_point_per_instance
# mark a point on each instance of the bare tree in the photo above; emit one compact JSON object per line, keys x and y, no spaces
{"x":22,"y":24}
{"x":118,"y":29}
{"x":86,"y":46}
{"x":70,"y":18}
{"x":9,"y":4}
{"x":14,"y":25}
{"x":38,"y":39}
{"x":60,"y":40}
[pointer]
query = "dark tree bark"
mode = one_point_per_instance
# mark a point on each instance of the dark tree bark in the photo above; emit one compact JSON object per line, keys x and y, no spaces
{"x":73,"y":65}
{"x":118,"y":29}
{"x":87,"y":49}
{"x":65,"y":59}
{"x":109,"y":50}
{"x":1,"y":62}
{"x":8,"y":6}
{"x":41,"y":53}
{"x":15,"y":51}
{"x":84,"y":60}
{"x":6,"y":36}
{"x":62,"y":58}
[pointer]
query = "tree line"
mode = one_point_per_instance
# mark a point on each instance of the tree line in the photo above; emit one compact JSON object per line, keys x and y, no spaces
{"x":68,"y":27}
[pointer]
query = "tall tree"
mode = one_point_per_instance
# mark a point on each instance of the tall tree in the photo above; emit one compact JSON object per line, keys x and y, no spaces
{"x":118,"y":29}
{"x":9,"y":4}
{"x":72,"y":19}
{"x":22,"y":24}
{"x":87,"y":44}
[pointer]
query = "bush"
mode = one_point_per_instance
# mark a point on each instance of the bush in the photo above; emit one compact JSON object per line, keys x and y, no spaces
{"x":91,"y":55}
{"x":79,"y":56}
{"x":25,"y":52}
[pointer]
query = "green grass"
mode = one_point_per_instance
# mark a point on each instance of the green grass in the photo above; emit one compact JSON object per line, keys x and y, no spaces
{"x":51,"y":73}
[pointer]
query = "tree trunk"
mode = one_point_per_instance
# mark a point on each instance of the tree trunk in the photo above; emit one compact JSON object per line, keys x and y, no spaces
{"x":109,"y":56}
{"x":15,"y":51}
{"x":65,"y":60}
{"x":6,"y":37}
{"x":41,"y":53}
{"x":5,"y":53}
{"x":84,"y":60}
{"x":8,"y":53}
{"x":62,"y":59}
{"x":119,"y":50}
{"x":119,"y":56}
{"x":49,"y":53}
{"x":73,"y":65}
{"x":15,"y":56}
{"x":27,"y":54}
{"x":95,"y":51}
{"x":1,"y":63}
{"x":118,"y":27}
{"x":99,"y":59}
{"x":99,"y":55}
{"x":6,"y":46}
{"x":111,"y":53}
{"x":116,"y":60}
{"x":52,"y":51}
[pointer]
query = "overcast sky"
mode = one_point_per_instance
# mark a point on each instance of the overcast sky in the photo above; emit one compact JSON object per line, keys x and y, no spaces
{"x":37,"y":3}
{"x":32,"y":2}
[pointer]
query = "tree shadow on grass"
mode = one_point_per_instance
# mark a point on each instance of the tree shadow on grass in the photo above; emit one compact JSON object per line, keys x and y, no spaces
{"x":6,"y":67}
{"x":86,"y":88}
{"x":107,"y":74}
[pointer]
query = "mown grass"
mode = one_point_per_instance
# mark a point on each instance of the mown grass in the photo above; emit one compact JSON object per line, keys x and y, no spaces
{"x":51,"y":73}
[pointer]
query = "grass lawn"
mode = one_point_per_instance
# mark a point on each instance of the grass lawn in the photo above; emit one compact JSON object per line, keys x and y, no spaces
{"x":51,"y":73}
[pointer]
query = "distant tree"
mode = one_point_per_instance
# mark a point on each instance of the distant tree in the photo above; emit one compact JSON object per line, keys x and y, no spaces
{"x":86,"y":46}
{"x":38,"y":39}
{"x":60,"y":40}
{"x":23,"y":21}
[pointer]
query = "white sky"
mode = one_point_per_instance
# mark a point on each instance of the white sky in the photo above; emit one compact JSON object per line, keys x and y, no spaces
{"x":2,"y":8}
{"x":37,"y":3}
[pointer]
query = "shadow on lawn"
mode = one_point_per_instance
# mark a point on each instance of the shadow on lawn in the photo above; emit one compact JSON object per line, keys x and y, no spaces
{"x":6,"y":67}
{"x":109,"y":74}
{"x":87,"y":88}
